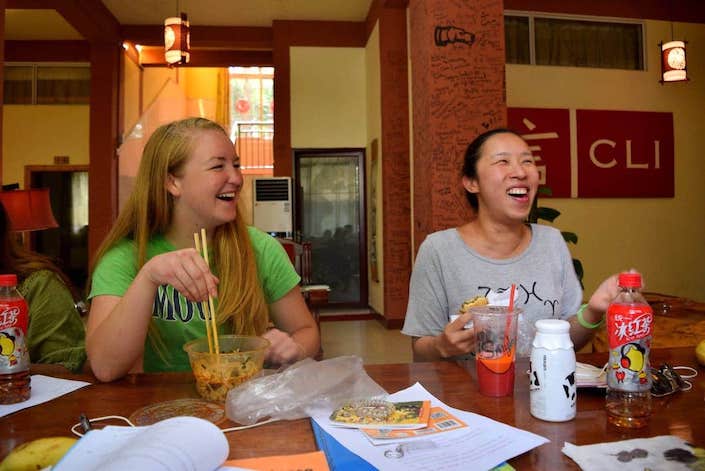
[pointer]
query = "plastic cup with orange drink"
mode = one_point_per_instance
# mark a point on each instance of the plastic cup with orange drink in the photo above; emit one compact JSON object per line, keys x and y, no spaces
{"x":495,"y":348}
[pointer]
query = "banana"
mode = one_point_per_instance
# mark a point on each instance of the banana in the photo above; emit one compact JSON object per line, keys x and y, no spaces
{"x":37,"y":454}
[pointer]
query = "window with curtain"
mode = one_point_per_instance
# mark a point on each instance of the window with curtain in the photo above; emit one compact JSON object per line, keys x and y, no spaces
{"x":18,"y":85}
{"x":37,"y":84}
{"x":516,"y":39}
{"x":574,"y":43}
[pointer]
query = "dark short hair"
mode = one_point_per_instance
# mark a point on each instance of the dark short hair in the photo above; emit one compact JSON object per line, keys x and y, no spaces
{"x":472,"y":154}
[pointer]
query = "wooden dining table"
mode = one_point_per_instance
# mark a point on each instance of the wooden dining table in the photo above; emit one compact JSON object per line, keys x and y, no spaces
{"x":681,"y":414}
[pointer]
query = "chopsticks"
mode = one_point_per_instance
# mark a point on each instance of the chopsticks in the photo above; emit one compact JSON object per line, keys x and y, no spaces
{"x":208,"y":309}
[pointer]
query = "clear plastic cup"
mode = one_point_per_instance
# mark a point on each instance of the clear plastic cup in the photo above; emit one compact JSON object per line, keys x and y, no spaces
{"x":241,"y":358}
{"x":495,"y":348}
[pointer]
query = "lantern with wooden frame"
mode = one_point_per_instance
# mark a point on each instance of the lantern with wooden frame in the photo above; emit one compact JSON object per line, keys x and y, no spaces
{"x":177,"y":42}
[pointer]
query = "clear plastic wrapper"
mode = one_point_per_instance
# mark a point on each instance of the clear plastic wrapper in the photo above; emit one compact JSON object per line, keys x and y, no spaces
{"x":306,"y":385}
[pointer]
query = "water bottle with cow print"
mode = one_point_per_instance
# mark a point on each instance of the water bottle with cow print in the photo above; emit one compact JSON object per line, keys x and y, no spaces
{"x":552,"y":387}
{"x":629,"y":328}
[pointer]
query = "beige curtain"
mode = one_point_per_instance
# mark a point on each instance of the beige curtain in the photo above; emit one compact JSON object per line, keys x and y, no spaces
{"x":588,"y":44}
{"x":222,"y":106}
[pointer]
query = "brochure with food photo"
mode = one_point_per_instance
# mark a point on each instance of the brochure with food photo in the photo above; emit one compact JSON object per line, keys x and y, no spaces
{"x":440,"y":420}
{"x":379,"y":414}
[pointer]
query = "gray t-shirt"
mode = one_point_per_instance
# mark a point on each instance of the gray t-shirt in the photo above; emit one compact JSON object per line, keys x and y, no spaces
{"x":448,"y":272}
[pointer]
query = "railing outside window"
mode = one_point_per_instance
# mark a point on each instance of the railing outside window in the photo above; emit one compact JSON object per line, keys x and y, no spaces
{"x":254,"y":146}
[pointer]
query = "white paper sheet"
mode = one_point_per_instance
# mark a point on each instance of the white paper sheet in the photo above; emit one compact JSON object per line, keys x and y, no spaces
{"x":602,"y":456}
{"x":44,"y":388}
{"x":176,"y":444}
{"x":484,"y":444}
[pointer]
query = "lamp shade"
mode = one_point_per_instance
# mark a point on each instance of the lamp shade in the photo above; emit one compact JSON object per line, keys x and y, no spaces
{"x":177,"y":40}
{"x":28,"y":210}
{"x":673,"y":62}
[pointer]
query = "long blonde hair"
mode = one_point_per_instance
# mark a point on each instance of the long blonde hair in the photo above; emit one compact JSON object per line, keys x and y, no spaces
{"x":148,"y":212}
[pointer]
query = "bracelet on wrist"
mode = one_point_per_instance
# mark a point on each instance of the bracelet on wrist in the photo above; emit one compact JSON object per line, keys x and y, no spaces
{"x":586,"y":324}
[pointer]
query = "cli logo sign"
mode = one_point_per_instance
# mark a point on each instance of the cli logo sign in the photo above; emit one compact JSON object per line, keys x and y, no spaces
{"x":625,"y":154}
{"x":600,"y":154}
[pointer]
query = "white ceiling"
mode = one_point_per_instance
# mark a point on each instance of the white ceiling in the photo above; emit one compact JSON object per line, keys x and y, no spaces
{"x":48,"y":24}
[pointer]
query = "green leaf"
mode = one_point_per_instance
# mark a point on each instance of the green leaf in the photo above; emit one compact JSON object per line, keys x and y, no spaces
{"x":570,"y":237}
{"x":547,"y":214}
{"x":544,"y":190}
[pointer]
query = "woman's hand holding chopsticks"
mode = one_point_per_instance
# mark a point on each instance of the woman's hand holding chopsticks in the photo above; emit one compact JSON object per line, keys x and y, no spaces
{"x":186,"y":271}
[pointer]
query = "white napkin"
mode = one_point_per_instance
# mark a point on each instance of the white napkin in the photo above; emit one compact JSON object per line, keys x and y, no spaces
{"x":602,"y":456}
{"x":590,"y":376}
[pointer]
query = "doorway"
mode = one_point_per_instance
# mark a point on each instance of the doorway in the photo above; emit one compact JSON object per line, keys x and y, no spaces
{"x":330,"y":214}
{"x":67,"y":244}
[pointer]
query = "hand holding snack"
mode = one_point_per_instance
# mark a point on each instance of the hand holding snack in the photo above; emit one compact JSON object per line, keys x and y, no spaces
{"x":476,"y":301}
{"x":458,"y":337}
{"x":465,"y":307}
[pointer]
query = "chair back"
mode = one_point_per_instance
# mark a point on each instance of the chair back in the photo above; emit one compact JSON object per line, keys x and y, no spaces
{"x":306,"y":264}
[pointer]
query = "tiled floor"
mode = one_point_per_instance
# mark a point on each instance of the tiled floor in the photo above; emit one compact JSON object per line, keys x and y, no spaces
{"x":368,"y":339}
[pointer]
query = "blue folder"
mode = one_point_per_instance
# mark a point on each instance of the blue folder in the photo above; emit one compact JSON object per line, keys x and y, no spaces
{"x":339,"y":458}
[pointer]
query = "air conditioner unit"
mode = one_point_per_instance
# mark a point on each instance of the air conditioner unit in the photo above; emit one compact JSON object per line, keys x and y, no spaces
{"x":272,"y":205}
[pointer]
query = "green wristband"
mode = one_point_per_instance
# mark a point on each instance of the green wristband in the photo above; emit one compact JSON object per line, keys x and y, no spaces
{"x":585,"y":323}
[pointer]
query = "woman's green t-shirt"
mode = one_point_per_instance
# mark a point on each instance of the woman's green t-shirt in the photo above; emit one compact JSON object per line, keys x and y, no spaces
{"x":177,"y":319}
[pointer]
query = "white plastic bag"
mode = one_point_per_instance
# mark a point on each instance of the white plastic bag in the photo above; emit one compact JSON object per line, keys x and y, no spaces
{"x":305,"y":385}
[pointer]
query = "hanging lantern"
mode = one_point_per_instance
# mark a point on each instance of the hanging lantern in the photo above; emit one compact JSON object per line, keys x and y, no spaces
{"x":177,"y":41}
{"x":673,"y":63}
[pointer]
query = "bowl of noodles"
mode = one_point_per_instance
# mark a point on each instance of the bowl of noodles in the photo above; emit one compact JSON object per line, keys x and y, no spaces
{"x":241,"y":358}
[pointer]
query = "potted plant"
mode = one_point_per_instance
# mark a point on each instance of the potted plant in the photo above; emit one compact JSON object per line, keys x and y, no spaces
{"x":550,"y":214}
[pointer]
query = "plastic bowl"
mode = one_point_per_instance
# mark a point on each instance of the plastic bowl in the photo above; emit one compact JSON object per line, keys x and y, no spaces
{"x":241,"y":358}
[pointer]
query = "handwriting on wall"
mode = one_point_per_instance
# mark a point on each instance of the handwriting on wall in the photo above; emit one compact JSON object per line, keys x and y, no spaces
{"x":458,"y":92}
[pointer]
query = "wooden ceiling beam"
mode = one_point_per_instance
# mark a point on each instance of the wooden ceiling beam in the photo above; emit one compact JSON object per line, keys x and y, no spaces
{"x":154,"y":57}
{"x":47,"y":51}
{"x":223,"y":37}
{"x":689,"y":11}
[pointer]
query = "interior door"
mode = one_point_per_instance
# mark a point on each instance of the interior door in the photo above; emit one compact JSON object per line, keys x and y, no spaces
{"x":68,"y":243}
{"x":330,"y":213}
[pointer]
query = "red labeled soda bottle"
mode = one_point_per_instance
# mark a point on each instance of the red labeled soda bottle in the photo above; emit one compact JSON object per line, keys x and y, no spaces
{"x":629,"y":327}
{"x":14,"y":355}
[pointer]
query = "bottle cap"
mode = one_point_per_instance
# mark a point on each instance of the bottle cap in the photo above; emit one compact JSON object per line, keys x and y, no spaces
{"x":630,"y":280}
{"x":8,"y":280}
{"x":552,"y":326}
